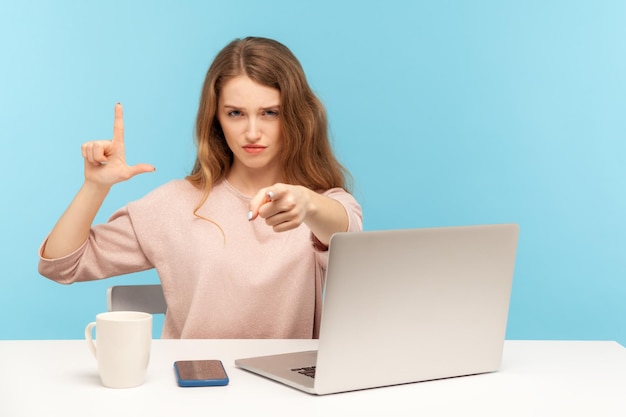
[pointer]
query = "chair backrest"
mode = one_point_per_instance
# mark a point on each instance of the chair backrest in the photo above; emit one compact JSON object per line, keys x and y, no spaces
{"x":146,"y":298}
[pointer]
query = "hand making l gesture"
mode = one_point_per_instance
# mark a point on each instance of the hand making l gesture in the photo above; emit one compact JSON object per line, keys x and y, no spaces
{"x":105,"y":160}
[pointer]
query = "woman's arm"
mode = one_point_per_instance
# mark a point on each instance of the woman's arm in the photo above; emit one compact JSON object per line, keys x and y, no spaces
{"x":105,"y":165}
{"x":285,"y":207}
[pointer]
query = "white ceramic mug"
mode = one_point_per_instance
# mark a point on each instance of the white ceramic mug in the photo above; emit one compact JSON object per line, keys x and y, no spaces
{"x":122,"y":347}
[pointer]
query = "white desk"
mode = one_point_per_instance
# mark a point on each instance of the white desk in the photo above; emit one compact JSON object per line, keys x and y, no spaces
{"x":538,"y":378}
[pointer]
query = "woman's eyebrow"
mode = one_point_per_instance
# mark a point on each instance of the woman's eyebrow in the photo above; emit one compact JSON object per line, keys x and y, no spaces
{"x":232,"y":106}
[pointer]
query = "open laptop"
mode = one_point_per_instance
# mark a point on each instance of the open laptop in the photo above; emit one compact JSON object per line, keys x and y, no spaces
{"x":404,"y":306}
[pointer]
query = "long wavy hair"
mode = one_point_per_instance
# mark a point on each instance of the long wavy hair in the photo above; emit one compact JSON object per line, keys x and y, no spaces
{"x":306,"y":158}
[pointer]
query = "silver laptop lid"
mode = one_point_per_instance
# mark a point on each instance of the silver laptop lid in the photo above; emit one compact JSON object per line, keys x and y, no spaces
{"x":412,"y":305}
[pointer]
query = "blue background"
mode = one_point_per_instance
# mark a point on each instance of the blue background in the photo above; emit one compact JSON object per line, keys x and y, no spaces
{"x":446,"y":113}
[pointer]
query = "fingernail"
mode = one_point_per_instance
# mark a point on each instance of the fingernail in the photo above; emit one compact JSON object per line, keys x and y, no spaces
{"x":250,"y":215}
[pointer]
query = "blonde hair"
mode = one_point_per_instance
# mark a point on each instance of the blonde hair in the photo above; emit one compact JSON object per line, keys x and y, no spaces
{"x":306,"y":158}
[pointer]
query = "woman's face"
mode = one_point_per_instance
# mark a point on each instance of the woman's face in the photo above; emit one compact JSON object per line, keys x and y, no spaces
{"x":249,"y":115}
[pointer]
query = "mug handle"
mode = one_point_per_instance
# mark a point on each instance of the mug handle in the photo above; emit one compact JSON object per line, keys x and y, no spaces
{"x":89,"y":338}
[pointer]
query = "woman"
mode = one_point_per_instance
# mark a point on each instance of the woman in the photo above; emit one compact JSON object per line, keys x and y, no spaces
{"x":240,"y":245}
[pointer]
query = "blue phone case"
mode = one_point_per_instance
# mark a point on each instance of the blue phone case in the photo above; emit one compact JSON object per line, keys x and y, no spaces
{"x":200,"y":373}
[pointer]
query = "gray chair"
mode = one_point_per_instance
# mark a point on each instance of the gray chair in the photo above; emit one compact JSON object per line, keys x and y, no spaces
{"x":146,"y":298}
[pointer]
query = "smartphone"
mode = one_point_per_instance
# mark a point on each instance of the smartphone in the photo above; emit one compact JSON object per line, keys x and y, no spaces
{"x":200,"y":373}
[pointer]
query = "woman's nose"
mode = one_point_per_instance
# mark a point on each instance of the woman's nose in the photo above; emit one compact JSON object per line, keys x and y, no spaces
{"x":253,"y":131}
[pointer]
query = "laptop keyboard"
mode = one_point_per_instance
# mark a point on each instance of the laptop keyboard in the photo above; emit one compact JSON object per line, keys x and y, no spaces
{"x":308,"y":371}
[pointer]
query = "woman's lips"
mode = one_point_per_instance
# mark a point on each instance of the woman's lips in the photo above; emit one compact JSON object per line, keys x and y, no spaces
{"x":254,"y":149}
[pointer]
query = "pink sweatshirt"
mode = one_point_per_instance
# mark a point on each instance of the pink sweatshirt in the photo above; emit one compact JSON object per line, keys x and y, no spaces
{"x":250,"y":282}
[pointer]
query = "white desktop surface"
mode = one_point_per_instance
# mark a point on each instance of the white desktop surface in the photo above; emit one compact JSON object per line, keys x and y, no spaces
{"x":537,"y":378}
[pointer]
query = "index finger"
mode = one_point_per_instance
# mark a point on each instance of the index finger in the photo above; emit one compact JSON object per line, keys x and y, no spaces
{"x":262,"y":197}
{"x":118,"y":124}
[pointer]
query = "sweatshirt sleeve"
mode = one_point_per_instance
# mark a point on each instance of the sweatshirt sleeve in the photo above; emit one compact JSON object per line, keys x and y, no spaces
{"x":111,"y":249}
{"x":352,"y":207}
{"x":353,"y":211}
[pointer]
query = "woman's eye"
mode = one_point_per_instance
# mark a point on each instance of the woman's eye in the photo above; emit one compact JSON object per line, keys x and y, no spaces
{"x":234,"y":113}
{"x":271,"y":113}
